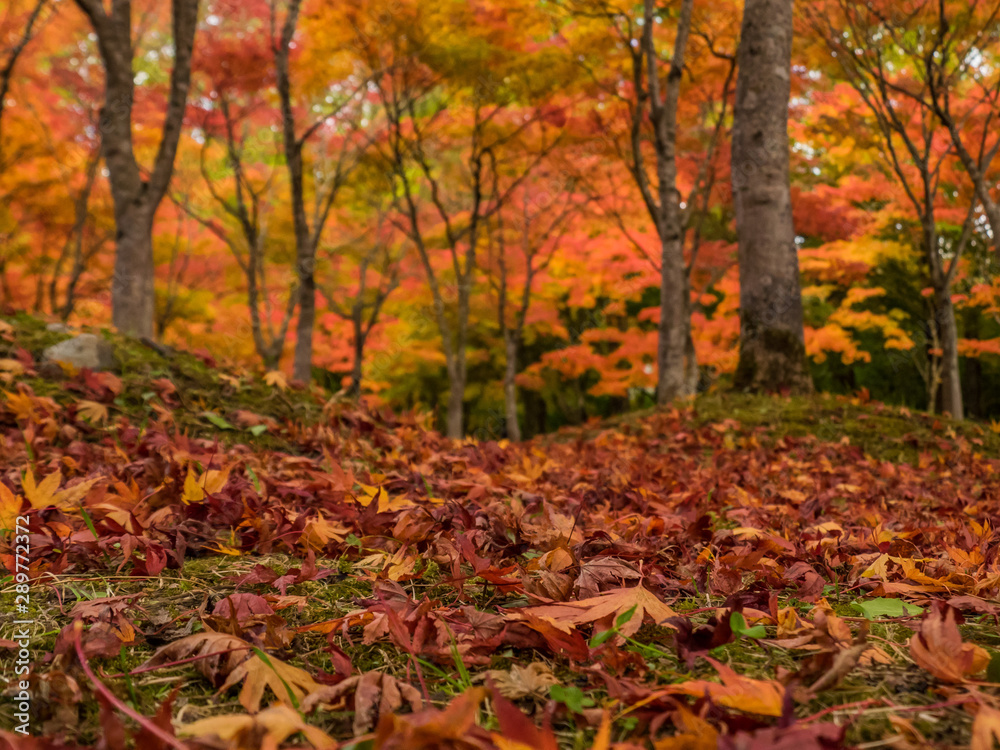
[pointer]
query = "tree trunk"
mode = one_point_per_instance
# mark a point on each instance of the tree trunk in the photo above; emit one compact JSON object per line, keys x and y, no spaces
{"x":136,"y":197}
{"x":456,"y":406}
{"x":692,"y":375}
{"x":951,"y":381}
{"x":672,"y":342}
{"x":673,"y":274}
{"x":359,"y":356}
{"x":510,"y":387}
{"x":133,"y":299}
{"x":772,"y":348}
{"x":307,"y":319}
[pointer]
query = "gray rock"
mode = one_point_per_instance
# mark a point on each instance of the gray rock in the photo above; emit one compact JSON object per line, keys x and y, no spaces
{"x":57,"y":328}
{"x":85,"y":350}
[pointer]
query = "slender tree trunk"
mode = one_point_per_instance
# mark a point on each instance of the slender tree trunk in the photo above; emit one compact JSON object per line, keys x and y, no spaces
{"x":951,"y":380}
{"x":7,"y":65}
{"x":670,"y":355}
{"x":305,"y":246}
{"x":510,"y":387}
{"x":359,"y":356}
{"x":772,"y":348}
{"x":306,"y":324}
{"x":691,"y":373}
{"x":456,"y":398}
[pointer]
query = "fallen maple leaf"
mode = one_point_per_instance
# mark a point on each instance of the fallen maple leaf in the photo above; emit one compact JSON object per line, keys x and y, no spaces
{"x":985,"y":729}
{"x":290,"y":684}
{"x":433,"y":728}
{"x":47,"y":492}
{"x":267,"y":729}
{"x":375,"y":694}
{"x":693,"y":733}
{"x":612,"y":602}
{"x":92,"y":411}
{"x":218,"y":654}
{"x":533,"y":681}
{"x":276,"y":379}
{"x":763,"y":697}
{"x":10,"y":508}
{"x":596,"y":573}
{"x":938,"y":646}
{"x":197,"y":489}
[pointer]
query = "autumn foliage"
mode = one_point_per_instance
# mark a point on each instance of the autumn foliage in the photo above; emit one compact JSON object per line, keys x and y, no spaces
{"x":431,"y":333}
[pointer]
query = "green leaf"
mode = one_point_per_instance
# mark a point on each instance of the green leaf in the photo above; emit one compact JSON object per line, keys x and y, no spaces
{"x":600,"y":638}
{"x":882,"y":607}
{"x":739,"y":626}
{"x":254,"y":479}
{"x":216,"y":420}
{"x":993,"y":669}
{"x":625,"y":616}
{"x":570,"y":696}
{"x":258,"y":429}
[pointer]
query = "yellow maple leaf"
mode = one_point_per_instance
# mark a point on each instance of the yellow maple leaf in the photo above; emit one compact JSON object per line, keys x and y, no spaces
{"x":21,"y":404}
{"x":46,"y":493}
{"x":272,"y":727}
{"x":319,"y":532}
{"x":276,"y":379}
{"x":290,"y":684}
{"x":385,"y":504}
{"x":197,"y":488}
{"x":92,"y":411}
{"x":10,"y":508}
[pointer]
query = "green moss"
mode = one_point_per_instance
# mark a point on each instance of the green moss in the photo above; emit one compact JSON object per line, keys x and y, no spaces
{"x":200,"y":388}
{"x":774,"y":362}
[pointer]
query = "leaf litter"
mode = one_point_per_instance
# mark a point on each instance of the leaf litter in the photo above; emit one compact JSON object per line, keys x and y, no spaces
{"x":374,"y":580}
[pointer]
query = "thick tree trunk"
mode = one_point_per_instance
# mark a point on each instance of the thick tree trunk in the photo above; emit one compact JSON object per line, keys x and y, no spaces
{"x":951,"y":380}
{"x":135,"y":197}
{"x":772,"y":349}
{"x":133,"y":298}
{"x":510,"y":387}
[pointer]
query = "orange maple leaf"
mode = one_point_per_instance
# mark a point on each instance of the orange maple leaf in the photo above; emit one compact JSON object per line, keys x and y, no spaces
{"x":611,"y":602}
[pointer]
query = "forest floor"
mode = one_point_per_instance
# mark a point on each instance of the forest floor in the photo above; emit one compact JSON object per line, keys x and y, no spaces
{"x":217,"y":561}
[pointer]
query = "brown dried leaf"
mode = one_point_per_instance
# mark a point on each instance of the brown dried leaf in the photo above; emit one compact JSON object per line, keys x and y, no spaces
{"x":533,"y":681}
{"x":376,"y":694}
{"x":215,"y":668}
{"x":596,"y":574}
{"x":938,"y":647}
{"x":268,"y":729}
